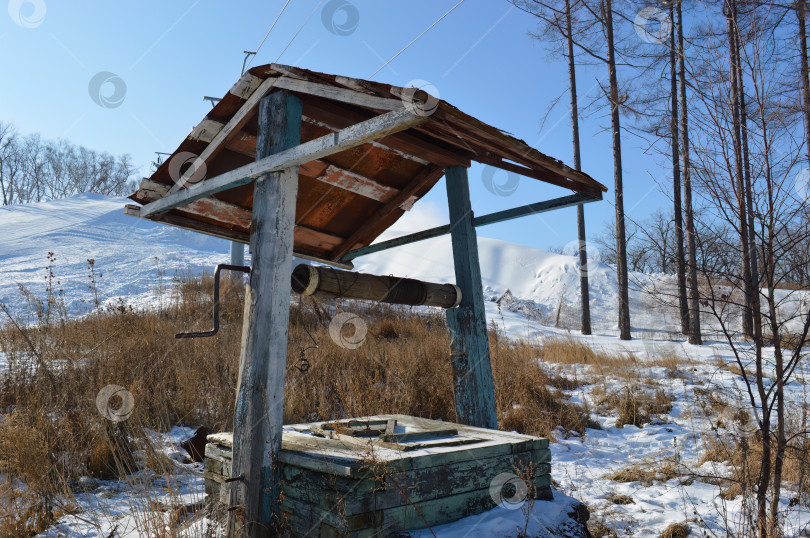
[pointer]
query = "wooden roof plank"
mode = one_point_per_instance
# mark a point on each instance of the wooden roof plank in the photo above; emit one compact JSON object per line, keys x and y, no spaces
{"x":343,"y":95}
{"x":360,"y":236}
{"x":328,"y":173}
{"x":234,"y":125}
{"x":349,"y":137}
{"x":335,"y":119}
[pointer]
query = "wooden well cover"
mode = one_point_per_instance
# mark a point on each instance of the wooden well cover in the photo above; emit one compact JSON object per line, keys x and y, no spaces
{"x":347,"y":199}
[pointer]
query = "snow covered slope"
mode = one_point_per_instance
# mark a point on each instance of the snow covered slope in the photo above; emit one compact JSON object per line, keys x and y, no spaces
{"x":135,"y":257}
{"x":130,"y":254}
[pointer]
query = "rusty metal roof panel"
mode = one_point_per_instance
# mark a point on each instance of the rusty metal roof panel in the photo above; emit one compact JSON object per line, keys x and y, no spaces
{"x":348,"y":199}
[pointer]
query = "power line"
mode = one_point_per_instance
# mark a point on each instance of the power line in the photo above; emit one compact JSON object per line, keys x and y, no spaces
{"x":299,"y":31}
{"x":416,"y":38}
{"x":280,"y":13}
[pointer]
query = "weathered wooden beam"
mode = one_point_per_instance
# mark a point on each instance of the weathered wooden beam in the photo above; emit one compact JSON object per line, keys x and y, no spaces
{"x":469,"y":342}
{"x":211,"y":208}
{"x":245,"y":144}
{"x":343,"y":95}
{"x":231,"y":215}
{"x":391,"y":147}
{"x":373,"y":226}
{"x":337,"y":117}
{"x":259,"y":413}
{"x":234,"y":125}
{"x":237,"y":235}
{"x":326,"y":282}
{"x":492,"y":218}
{"x":355,"y":135}
{"x":356,"y":183}
{"x":192,"y":224}
{"x":546,"y":175}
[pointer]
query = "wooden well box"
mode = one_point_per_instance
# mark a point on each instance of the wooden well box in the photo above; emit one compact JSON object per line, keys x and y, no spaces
{"x":379,"y":475}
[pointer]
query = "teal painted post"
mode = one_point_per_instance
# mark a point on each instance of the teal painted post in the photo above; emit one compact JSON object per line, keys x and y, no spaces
{"x":469,"y":342}
{"x":258,"y":418}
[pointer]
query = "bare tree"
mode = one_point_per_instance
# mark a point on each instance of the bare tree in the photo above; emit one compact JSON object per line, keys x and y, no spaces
{"x":689,"y":220}
{"x":32,"y":170}
{"x":583,"y":251}
{"x":730,"y":12}
{"x":683,"y":305}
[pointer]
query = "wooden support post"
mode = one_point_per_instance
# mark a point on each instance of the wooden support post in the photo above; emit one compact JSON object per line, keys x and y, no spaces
{"x":255,"y":495}
{"x":469,"y":343}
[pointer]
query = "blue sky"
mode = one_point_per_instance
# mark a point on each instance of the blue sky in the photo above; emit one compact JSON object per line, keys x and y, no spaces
{"x":480,"y":58}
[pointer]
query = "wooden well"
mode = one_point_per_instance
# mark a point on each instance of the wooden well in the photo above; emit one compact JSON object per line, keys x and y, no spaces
{"x":380,"y":475}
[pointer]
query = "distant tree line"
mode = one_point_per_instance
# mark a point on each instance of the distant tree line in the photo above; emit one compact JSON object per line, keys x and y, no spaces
{"x":651,"y":247}
{"x":33,"y":169}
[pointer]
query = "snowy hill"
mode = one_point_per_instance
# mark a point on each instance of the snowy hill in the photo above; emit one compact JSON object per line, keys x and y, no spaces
{"x":128,"y":252}
{"x":135,"y":256}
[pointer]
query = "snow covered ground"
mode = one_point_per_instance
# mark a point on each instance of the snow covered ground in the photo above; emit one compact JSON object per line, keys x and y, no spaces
{"x":134,"y":257}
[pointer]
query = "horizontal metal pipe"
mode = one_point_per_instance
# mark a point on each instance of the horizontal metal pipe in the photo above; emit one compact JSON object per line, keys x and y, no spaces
{"x":484,"y":220}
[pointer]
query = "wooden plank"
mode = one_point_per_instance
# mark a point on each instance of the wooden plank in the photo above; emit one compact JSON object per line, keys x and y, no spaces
{"x":259,"y":412}
{"x":358,"y":184}
{"x":245,"y":143}
{"x":233,"y":215}
{"x":546,"y":175}
{"x":375,"y":143}
{"x":418,"y":515}
{"x":383,"y":490}
{"x":469,"y":342}
{"x":226,"y":213}
{"x":246,"y":85}
{"x":234,"y":125}
{"x":355,"y":84}
{"x":335,"y":118}
{"x":506,"y":146}
{"x":344,"y":95}
{"x":239,"y":236}
{"x":350,"y":137}
{"x":206,"y":130}
{"x":379,"y":218}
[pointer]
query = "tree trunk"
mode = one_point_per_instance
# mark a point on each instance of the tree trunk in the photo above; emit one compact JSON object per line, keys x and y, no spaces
{"x":730,"y":11}
{"x":801,"y":13}
{"x":583,"y":251}
{"x":779,"y":368}
{"x":749,"y":190}
{"x":621,"y":242}
{"x":691,"y":245}
{"x":683,"y":305}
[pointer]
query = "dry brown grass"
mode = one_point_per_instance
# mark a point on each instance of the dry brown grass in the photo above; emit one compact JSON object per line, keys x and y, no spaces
{"x":734,"y":368}
{"x":53,"y":433}
{"x":599,"y":528}
{"x":568,"y":350}
{"x":743,"y":454}
{"x":620,"y":499}
{"x":636,"y":403}
{"x":649,"y":472}
{"x":676,"y":530}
